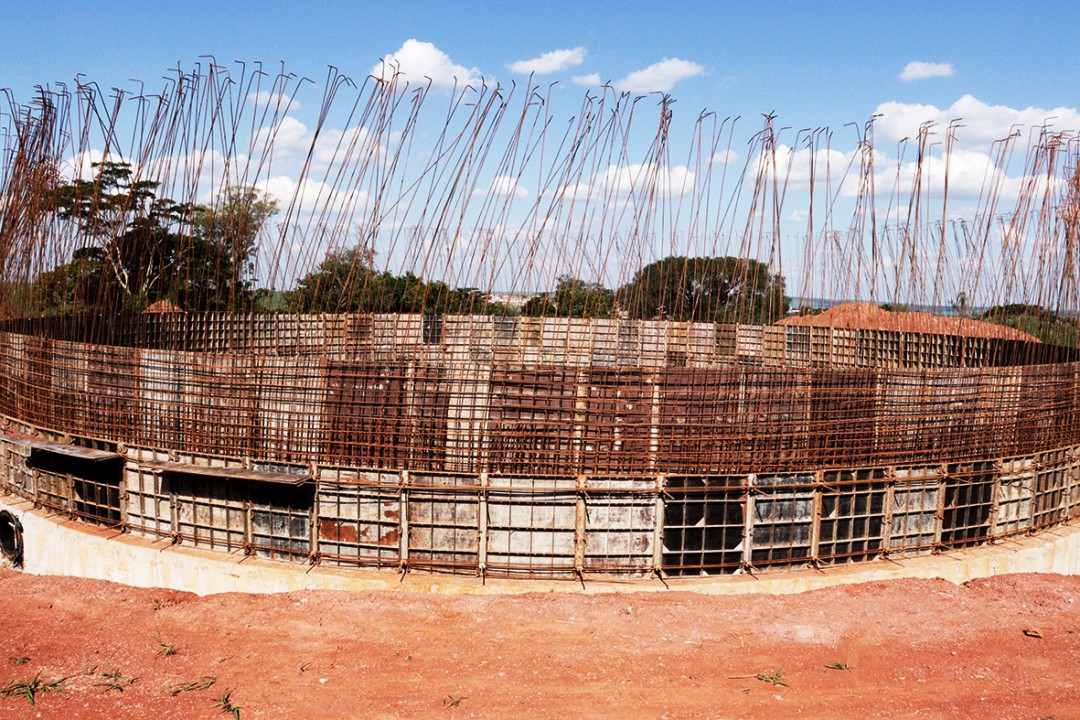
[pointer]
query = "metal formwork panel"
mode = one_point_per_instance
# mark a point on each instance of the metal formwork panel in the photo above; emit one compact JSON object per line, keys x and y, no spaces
{"x":359,"y":518}
{"x":530,"y":527}
{"x":443,"y":515}
{"x":162,"y":382}
{"x":913,"y":509}
{"x":699,"y":427}
{"x":1072,"y":475}
{"x":654,"y":343}
{"x":281,"y":520}
{"x":774,"y":346}
{"x":85,"y":488}
{"x":617,"y":424}
{"x":701,"y":344}
{"x":579,"y":342}
{"x":837,"y":416}
{"x":1015,"y":495}
{"x":797,"y":346}
{"x":68,"y":386}
{"x":466,"y":417}
{"x":112,"y":395}
{"x":208,"y":512}
{"x":10,"y":369}
{"x":553,"y":347}
{"x":605,"y":343}
{"x":149,"y":504}
{"x":365,"y":421}
{"x":1051,"y":504}
{"x":220,"y":408}
{"x":16,"y":472}
{"x":530,"y":427}
{"x":780,"y":524}
{"x":749,"y":343}
{"x":620,"y":525}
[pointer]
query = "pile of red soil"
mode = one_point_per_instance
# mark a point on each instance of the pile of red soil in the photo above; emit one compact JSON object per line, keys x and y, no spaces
{"x":163,"y":306}
{"x":867,"y":316}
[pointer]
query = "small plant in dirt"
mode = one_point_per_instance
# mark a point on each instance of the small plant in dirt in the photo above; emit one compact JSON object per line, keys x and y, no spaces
{"x":226,"y":705}
{"x":202,"y":683}
{"x":19,"y":659}
{"x":115,"y":680}
{"x":165,"y":649}
{"x":838,"y":666}
{"x":775,"y":678}
{"x":451,"y":701}
{"x":31,"y":689}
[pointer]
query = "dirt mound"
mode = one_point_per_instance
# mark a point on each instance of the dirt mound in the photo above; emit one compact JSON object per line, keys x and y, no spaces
{"x":867,"y":316}
{"x":163,"y":306}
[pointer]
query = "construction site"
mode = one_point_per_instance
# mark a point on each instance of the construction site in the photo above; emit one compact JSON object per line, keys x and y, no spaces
{"x":323,"y":378}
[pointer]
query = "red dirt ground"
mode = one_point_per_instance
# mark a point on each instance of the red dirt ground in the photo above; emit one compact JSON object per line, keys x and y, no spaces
{"x":912,"y":648}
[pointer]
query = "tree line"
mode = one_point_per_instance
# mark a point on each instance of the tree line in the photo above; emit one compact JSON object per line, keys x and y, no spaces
{"x":141,"y":248}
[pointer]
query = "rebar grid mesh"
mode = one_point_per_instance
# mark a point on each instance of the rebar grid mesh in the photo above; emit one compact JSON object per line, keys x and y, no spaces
{"x":423,"y":457}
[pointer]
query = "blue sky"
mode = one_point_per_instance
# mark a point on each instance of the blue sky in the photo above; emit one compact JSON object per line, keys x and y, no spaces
{"x":813,"y":64}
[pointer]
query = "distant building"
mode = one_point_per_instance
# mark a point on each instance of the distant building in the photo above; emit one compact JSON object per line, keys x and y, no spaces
{"x":510,"y":299}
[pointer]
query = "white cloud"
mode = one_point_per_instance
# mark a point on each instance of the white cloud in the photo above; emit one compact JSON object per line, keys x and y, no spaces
{"x":922,"y":70}
{"x":590,"y":79}
{"x":264,"y":98}
{"x":292,"y":140}
{"x":724,"y":157}
{"x":794,"y":168}
{"x":418,"y":60}
{"x":624,"y":179}
{"x":550,"y":62}
{"x":659,"y":77}
{"x":982,"y":123}
{"x":502,"y":186}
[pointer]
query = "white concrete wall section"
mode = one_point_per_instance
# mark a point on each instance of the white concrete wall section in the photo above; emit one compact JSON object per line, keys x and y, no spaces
{"x":56,"y":546}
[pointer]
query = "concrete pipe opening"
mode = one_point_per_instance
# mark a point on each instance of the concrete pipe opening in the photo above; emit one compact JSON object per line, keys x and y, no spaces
{"x":11,"y":539}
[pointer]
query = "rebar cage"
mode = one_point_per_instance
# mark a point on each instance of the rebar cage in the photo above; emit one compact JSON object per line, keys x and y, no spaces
{"x":538,"y":447}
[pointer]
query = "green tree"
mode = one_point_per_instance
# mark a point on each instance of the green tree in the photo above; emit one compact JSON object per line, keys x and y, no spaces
{"x":345,"y":281}
{"x":1044,"y":324}
{"x":74,"y":287}
{"x":573,"y":298}
{"x":705,"y":289}
{"x":227,"y":235}
{"x":338,"y":284}
{"x":140,"y":248}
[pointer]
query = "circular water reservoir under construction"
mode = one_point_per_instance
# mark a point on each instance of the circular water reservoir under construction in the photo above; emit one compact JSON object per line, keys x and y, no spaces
{"x":661,"y":407}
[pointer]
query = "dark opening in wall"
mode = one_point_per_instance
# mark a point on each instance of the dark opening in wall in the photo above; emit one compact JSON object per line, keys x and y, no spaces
{"x":704,"y":521}
{"x":281,"y":520}
{"x":969,"y":492}
{"x":268,"y":513}
{"x":79,"y":480}
{"x":852,"y":515}
{"x":432,"y":329}
{"x":11,"y":538}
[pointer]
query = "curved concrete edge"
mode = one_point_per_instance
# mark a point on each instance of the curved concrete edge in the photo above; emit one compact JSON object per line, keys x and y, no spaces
{"x":54,"y":545}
